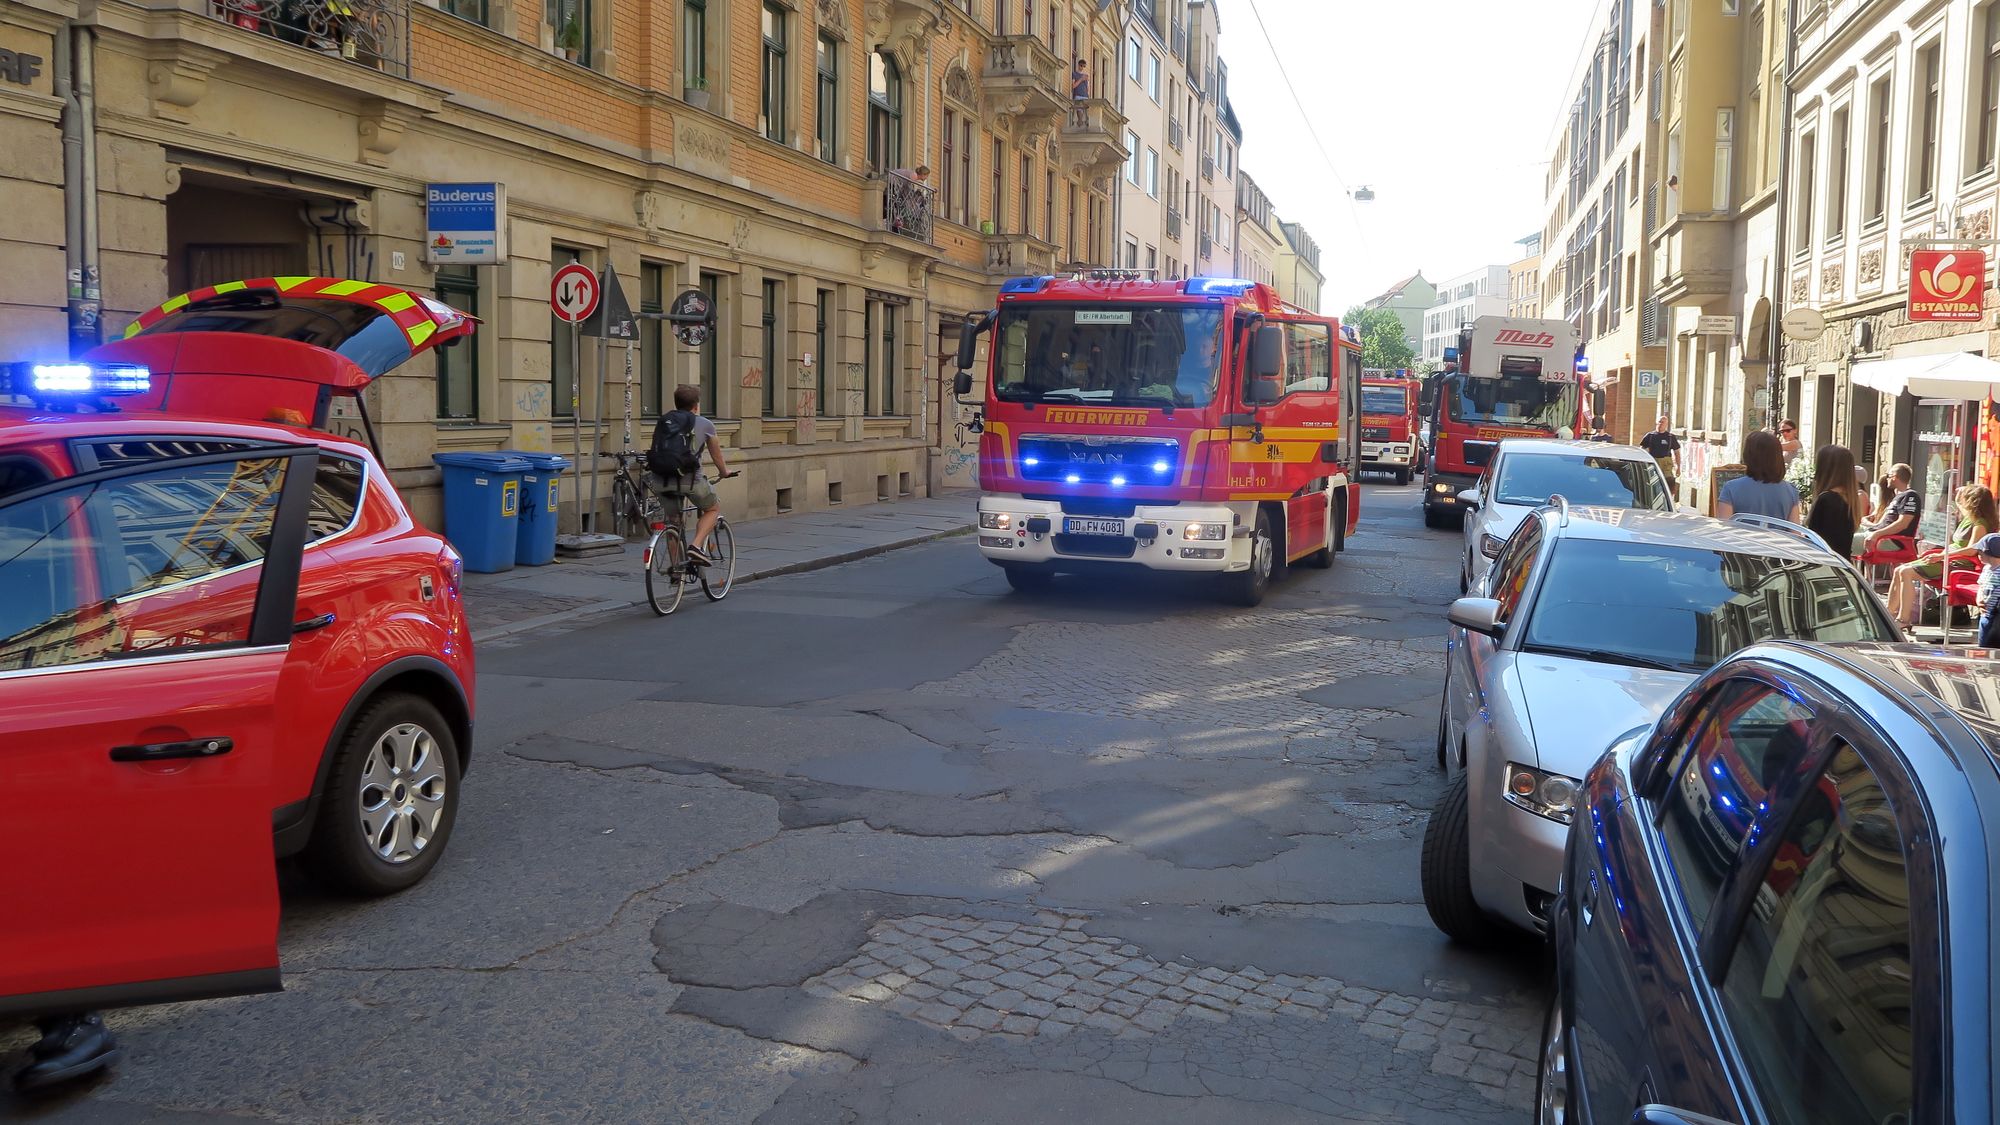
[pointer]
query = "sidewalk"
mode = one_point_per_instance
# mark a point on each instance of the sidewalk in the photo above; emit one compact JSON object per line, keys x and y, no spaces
{"x":529,"y":597}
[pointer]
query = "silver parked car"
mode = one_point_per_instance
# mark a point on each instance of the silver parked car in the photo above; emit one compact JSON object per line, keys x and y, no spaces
{"x":1596,"y":620}
{"x":1525,"y":472}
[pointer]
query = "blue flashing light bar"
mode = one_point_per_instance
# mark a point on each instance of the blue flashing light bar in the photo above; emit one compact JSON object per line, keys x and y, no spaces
{"x":1216,"y":287}
{"x":1451,"y":353}
{"x":1025,"y":284}
{"x":50,"y":381}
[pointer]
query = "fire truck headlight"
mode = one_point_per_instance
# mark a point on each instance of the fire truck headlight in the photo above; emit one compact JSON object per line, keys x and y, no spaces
{"x":1210,"y":531}
{"x":996,"y":521}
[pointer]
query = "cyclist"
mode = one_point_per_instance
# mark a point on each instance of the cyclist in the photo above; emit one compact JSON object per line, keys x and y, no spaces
{"x":686,"y":416}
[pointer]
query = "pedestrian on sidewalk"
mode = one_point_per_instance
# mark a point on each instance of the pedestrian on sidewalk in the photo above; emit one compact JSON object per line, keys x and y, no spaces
{"x":1836,"y":506}
{"x":1666,"y":449}
{"x":1989,"y":590}
{"x":1762,"y":489}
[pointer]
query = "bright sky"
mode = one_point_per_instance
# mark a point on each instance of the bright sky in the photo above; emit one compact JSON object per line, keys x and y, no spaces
{"x":1447,"y":108}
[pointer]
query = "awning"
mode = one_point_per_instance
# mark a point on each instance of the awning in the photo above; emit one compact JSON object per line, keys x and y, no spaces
{"x":1959,"y":375}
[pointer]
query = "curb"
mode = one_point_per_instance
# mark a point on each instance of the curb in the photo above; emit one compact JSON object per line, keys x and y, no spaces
{"x":515,"y":627}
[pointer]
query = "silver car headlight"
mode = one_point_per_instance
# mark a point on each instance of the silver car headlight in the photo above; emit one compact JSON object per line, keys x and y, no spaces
{"x":1490,"y":544}
{"x":996,"y":521}
{"x":1550,"y":795}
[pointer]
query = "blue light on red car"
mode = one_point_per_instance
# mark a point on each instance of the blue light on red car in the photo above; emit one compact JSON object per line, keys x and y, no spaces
{"x":52,"y":381}
{"x":1217,"y":287}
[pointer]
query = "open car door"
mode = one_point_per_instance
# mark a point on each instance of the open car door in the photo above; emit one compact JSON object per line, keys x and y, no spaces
{"x":279,"y":349}
{"x":147,"y":616}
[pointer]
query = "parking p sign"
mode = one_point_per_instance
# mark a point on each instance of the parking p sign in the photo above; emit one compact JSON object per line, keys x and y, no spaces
{"x":465,"y":224}
{"x":1648,"y":385}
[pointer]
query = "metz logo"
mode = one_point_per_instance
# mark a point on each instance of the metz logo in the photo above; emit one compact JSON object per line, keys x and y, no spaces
{"x":1525,"y":339}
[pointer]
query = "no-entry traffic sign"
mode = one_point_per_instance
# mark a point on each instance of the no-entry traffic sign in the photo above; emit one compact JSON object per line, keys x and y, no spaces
{"x":573,"y":292}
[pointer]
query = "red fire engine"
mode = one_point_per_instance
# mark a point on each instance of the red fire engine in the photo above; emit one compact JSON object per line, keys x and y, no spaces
{"x":1516,"y":378}
{"x":1201,"y":426}
{"x":1389,"y":424}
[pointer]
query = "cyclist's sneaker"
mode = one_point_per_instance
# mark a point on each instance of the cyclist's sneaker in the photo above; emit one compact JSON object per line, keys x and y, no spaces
{"x":699,"y":556}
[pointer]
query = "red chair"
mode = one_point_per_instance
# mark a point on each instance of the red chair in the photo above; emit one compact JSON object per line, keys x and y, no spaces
{"x":1889,"y":552}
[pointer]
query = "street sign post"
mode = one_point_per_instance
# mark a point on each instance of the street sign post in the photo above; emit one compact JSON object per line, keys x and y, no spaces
{"x":1648,"y":385}
{"x":574,"y":293}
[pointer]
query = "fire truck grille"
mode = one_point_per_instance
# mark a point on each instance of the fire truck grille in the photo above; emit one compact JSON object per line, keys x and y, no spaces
{"x":1374,"y":433}
{"x":1097,"y":546}
{"x":1479,"y":453}
{"x":1091,"y":459}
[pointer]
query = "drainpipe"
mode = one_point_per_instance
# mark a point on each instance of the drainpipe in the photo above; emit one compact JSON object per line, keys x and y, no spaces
{"x":75,"y":82}
{"x":1781,"y":272}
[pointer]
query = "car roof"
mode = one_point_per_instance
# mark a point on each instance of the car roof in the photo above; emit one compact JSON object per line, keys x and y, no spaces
{"x":1963,"y":682}
{"x":24,"y":427}
{"x":1574,"y":446}
{"x":1644,"y":527}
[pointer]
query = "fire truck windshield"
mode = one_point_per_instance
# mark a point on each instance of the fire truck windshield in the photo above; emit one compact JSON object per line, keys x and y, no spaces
{"x":1382,"y":400}
{"x":1511,"y":400}
{"x":1111,"y":354}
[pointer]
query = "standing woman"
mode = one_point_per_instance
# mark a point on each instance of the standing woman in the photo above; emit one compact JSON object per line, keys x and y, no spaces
{"x":1836,"y":505}
{"x":1762,"y":489}
{"x":1977,"y":519}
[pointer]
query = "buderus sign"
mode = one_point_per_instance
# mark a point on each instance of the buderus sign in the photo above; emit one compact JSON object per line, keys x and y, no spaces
{"x":465,"y":224}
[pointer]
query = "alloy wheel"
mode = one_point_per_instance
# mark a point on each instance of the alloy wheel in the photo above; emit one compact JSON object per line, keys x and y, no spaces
{"x":1552,"y":1089}
{"x":403,"y":789}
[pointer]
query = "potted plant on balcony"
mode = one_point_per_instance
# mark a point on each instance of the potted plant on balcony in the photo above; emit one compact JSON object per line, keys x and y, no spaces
{"x":986,"y":226}
{"x":696,"y":92}
{"x":569,"y":38}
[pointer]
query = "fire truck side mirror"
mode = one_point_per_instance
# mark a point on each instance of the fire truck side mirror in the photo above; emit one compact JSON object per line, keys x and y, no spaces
{"x":1267,"y":352}
{"x":961,"y":385}
{"x":968,"y":349}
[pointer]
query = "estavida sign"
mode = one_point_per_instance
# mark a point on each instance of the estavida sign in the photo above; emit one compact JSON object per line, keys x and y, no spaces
{"x":465,"y":224}
{"x":1947,"y":285}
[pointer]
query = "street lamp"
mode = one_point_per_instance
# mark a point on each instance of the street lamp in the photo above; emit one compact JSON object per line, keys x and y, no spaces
{"x":1362,"y":194}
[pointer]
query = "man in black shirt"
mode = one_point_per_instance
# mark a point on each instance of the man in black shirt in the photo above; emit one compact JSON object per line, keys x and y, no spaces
{"x":1666,"y":449}
{"x":1904,"y":510}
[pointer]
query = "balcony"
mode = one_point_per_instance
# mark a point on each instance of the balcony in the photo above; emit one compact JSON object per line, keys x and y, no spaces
{"x":1019,"y":255}
{"x":906,"y":207}
{"x":1178,"y":41}
{"x":374,"y":34}
{"x":1026,"y":82}
{"x":1173,"y":224}
{"x":1692,"y":260}
{"x":1175,"y":135}
{"x":1207,"y":166}
{"x":1205,"y":246}
{"x":1093,"y":137}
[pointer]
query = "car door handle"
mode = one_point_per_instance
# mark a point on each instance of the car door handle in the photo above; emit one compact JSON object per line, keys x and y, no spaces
{"x":163,"y":751}
{"x":311,"y":623}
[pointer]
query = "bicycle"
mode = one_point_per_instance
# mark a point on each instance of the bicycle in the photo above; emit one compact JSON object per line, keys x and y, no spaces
{"x":634,"y":508}
{"x":670,"y":568}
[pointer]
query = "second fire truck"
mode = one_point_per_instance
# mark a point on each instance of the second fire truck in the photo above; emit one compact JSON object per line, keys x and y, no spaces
{"x":1203,"y":426}
{"x":1516,"y":378}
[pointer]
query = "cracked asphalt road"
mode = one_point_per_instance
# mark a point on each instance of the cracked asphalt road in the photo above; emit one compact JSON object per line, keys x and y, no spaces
{"x":889,"y":843}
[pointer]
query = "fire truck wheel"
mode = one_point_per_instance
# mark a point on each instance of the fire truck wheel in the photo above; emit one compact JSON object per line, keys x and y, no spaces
{"x":1247,"y":588}
{"x":1028,"y":579}
{"x":1432,"y":517}
{"x":1446,"y":871}
{"x":1402,"y":476}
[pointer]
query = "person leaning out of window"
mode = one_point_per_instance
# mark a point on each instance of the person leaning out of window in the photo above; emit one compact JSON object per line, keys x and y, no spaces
{"x":1762,"y":490}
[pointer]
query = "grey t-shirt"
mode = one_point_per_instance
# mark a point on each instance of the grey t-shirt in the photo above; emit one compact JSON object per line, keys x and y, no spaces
{"x":1775,"y":499}
{"x":703,"y":431}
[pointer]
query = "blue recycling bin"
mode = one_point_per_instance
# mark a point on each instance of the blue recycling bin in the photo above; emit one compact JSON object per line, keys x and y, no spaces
{"x":535,"y":534}
{"x":482,"y":506}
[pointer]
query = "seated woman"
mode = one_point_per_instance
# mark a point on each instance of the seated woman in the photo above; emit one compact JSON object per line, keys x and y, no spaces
{"x":1977,"y":519}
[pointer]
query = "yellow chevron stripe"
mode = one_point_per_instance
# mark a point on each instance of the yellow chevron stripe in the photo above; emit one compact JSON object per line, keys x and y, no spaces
{"x":174,"y":304}
{"x":421,"y":332}
{"x":230,"y":287}
{"x":286,"y":284}
{"x":132,"y":329}
{"x":397,"y":302}
{"x":344,"y":288}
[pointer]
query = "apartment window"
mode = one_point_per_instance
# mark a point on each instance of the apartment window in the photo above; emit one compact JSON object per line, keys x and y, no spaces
{"x":1049,"y":206}
{"x":1131,"y":254}
{"x":572,"y":21}
{"x":1836,"y":183}
{"x":653,"y":338}
{"x":999,"y":203}
{"x":948,"y":162}
{"x":871,"y":319}
{"x":1803,"y":190}
{"x":1055,"y":17}
{"x":1877,"y":202}
{"x":1153,"y":172}
{"x":1069,"y":231}
{"x":1027,"y":17}
{"x":694,"y":44}
{"x":458,"y":368}
{"x":822,"y":358}
{"x":711,"y":349}
{"x":826,"y":101}
{"x":1153,"y":258}
{"x":1153,"y":76}
{"x":1132,"y":158}
{"x":885,"y":113}
{"x":474,"y":10}
{"x":1924,"y":122}
{"x":771,"y":111}
{"x":773,"y":353}
{"x":1027,"y":192}
{"x":563,"y":344}
{"x":1133,"y":57}
{"x":886,"y":325}
{"x":1988,"y":113}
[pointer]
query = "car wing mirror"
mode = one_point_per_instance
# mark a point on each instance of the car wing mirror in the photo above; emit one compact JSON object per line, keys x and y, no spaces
{"x":961,"y":384}
{"x":1471,"y":497}
{"x":1476,"y":615}
{"x":1667,"y":1115}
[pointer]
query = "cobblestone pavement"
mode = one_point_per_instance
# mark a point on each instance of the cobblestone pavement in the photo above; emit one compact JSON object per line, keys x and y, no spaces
{"x":890,"y":842}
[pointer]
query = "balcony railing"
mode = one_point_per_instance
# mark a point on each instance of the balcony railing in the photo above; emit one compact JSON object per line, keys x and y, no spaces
{"x":1207,"y":166}
{"x":1025,"y":79}
{"x":1205,"y":245}
{"x":908,"y":207}
{"x":1093,"y":137}
{"x":371,"y":33}
{"x":1178,"y":41}
{"x":1173,"y":223}
{"x":1013,"y":255}
{"x":1175,"y":134}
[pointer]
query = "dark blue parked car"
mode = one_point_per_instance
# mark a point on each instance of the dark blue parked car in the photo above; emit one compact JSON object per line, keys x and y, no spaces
{"x":1777,"y":902}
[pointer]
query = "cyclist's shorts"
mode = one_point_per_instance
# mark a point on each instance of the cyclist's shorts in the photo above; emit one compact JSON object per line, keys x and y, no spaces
{"x":694,"y":486}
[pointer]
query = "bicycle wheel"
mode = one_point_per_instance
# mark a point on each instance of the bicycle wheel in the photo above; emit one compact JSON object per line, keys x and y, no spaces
{"x":624,"y":508}
{"x":719,"y":575}
{"x":664,"y":567}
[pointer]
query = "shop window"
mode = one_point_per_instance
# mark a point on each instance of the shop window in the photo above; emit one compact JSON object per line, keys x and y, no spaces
{"x":458,"y":367}
{"x":773,"y":354}
{"x":653,"y":340}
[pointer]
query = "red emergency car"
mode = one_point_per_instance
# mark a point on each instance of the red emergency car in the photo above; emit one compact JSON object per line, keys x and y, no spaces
{"x":222,"y":639}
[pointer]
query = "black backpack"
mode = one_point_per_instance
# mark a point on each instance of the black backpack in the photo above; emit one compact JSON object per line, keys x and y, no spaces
{"x":674,"y":452}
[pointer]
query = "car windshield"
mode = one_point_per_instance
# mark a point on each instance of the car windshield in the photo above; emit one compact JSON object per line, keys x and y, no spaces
{"x":1511,"y":400}
{"x":1605,"y":482}
{"x":1109,"y":355}
{"x":1382,"y":400}
{"x":1687,"y":607}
